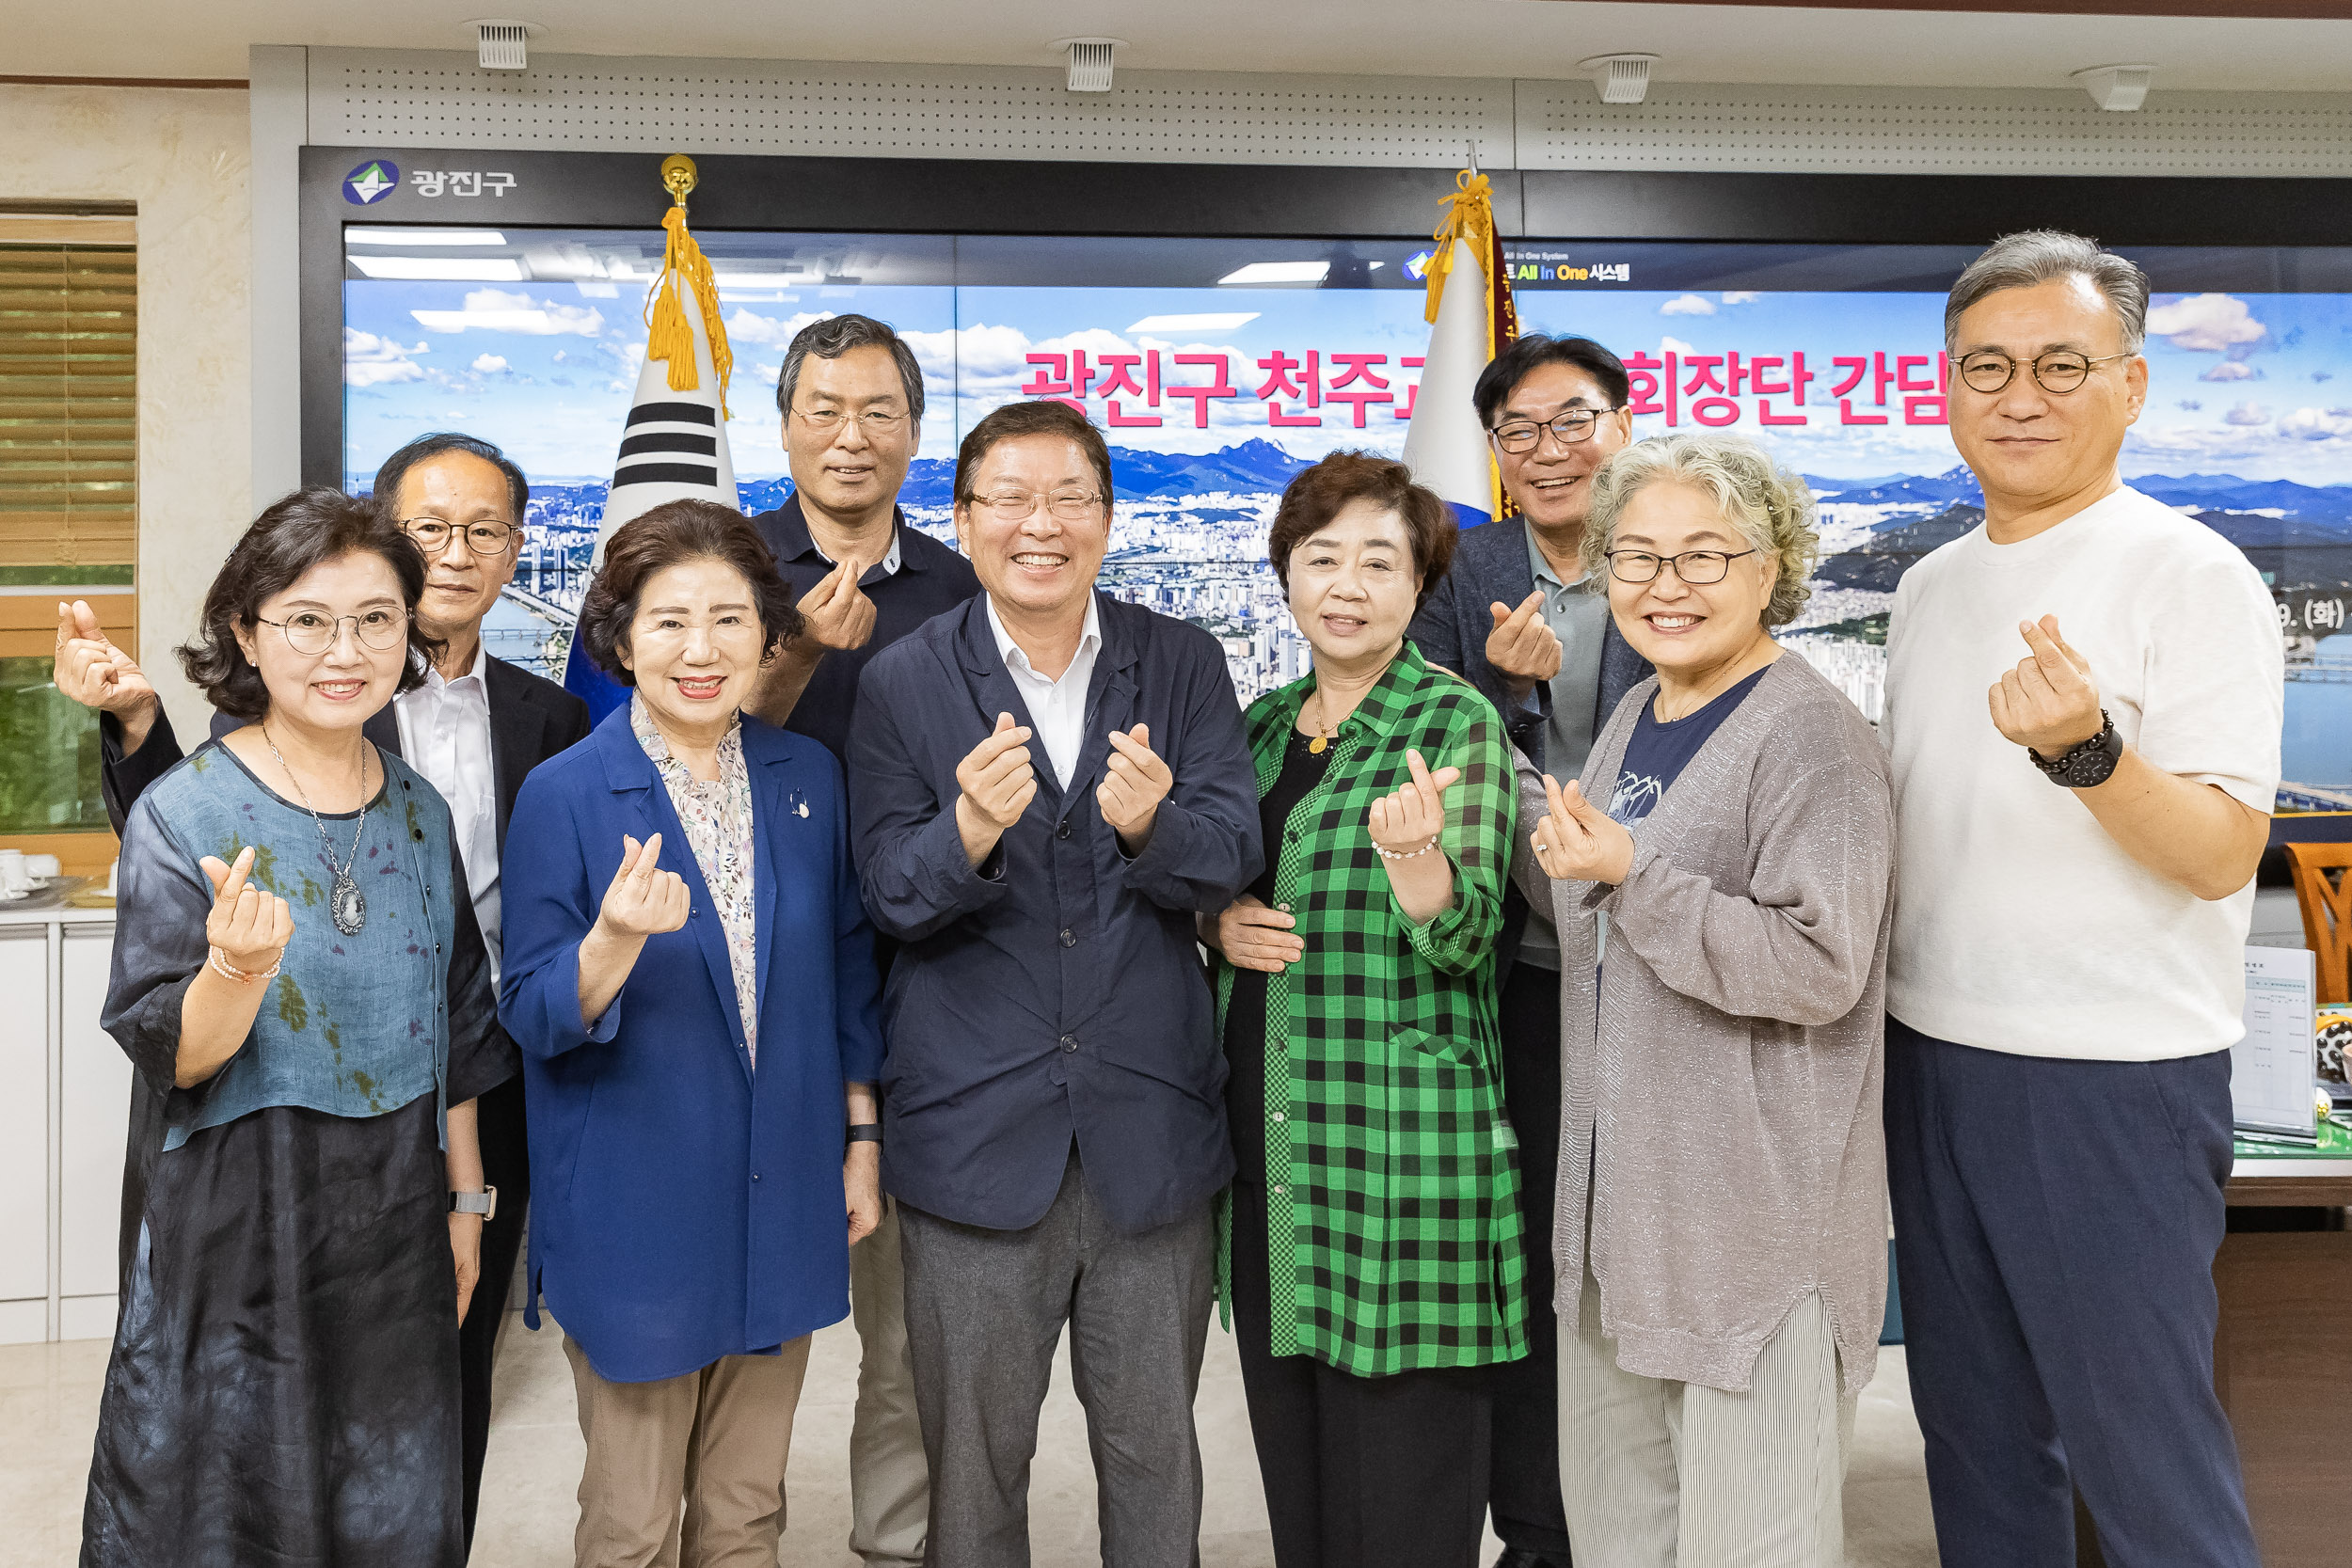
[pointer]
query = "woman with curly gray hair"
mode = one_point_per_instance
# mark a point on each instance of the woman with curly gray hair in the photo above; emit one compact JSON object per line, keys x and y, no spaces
{"x":1722,"y":890}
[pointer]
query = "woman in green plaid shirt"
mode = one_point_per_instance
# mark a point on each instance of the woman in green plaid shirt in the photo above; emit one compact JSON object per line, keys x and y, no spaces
{"x":1376,"y":1261}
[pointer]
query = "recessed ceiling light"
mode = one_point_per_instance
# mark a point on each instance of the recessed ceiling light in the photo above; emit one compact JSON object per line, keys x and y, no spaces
{"x":1276,"y":272}
{"x":466,"y":269}
{"x":424,"y":236}
{"x":1214,"y":321}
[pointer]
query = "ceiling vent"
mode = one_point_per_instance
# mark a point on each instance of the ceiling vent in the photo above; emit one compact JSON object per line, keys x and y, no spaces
{"x":1622,"y":78}
{"x":2121,"y":87}
{"x":500,"y":45}
{"x":1089,"y":62}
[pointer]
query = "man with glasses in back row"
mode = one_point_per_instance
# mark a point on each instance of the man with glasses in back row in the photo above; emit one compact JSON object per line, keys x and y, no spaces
{"x":2079,"y":830}
{"x":1513,"y":618}
{"x":474,"y":729}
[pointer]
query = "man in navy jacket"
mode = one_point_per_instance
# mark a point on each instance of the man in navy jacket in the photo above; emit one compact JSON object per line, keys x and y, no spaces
{"x":1047,"y":786}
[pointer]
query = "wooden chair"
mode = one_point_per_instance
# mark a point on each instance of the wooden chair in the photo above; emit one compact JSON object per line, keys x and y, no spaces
{"x":2326,"y":905}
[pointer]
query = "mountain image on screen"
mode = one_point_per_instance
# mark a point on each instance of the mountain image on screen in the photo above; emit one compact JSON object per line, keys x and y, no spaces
{"x":1188,"y":539}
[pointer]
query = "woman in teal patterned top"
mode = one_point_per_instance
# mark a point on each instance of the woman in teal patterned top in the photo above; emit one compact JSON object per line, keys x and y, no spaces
{"x":1376,"y":1261}
{"x":305,"y":998}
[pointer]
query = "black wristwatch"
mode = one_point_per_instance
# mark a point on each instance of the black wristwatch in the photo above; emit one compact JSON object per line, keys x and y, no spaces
{"x":864,"y":1132}
{"x":2089,"y":764}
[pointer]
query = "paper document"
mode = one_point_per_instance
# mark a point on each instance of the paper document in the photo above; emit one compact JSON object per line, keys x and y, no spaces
{"x":2272,"y":1071}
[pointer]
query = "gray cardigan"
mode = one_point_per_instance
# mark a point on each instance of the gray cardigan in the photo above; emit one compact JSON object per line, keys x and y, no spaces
{"x":1723,"y":1087}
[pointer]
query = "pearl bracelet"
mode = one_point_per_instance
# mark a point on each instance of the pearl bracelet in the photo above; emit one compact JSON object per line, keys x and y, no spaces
{"x":227,"y":971}
{"x":1407,"y":854}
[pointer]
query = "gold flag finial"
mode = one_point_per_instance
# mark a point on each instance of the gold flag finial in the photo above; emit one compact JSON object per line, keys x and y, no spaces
{"x":667,"y":335}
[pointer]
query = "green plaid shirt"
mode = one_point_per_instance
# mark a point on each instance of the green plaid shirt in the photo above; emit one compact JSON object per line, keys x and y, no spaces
{"x":1390,"y":1177}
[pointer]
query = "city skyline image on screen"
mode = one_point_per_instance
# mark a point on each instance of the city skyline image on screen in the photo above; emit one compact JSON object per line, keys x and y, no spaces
{"x":1218,"y":369}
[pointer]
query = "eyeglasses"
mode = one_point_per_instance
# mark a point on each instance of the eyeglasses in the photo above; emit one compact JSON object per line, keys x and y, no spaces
{"x":309,"y":632}
{"x":874,"y":421}
{"x":2061,"y":371}
{"x":484,"y":539}
{"x":1568,"y":428}
{"x":1011,"y":506}
{"x":1696,"y":567}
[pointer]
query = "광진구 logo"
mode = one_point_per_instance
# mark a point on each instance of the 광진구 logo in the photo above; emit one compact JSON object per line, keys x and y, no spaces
{"x":370,"y":182}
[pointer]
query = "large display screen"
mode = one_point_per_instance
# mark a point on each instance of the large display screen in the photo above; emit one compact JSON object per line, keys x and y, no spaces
{"x":1219,"y":367}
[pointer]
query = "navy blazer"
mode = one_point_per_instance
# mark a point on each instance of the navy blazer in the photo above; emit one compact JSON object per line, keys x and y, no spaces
{"x":686,"y":1206}
{"x":1055,"y":992}
{"x":1490,"y":564}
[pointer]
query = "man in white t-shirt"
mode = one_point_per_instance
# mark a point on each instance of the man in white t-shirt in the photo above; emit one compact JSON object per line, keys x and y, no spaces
{"x":2084,"y":700}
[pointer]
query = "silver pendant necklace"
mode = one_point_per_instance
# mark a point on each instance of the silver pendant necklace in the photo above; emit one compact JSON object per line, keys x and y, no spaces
{"x":345,"y":903}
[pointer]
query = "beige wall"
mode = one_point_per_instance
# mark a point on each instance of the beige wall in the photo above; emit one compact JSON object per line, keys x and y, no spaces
{"x":181,"y":154}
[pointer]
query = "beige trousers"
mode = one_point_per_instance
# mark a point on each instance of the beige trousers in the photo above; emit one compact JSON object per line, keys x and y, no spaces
{"x":890,"y":1482}
{"x":1659,"y":1474}
{"x":686,"y":1472}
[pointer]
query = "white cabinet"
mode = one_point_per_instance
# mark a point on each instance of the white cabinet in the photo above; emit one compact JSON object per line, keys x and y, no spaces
{"x":64,"y":1112}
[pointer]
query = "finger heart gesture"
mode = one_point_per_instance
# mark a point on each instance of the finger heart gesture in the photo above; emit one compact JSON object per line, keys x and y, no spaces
{"x":1577,"y":842}
{"x":644,"y":901}
{"x":1410,"y":821}
{"x":838,"y":613}
{"x":996,"y":777}
{"x":1133,"y":785}
{"x":1523,"y":646}
{"x":2049,"y":701}
{"x":249,"y":925}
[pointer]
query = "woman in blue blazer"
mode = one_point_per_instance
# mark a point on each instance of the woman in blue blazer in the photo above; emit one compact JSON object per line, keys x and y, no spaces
{"x":690,"y":975}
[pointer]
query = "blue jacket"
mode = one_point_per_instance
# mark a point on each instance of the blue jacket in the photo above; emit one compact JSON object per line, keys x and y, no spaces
{"x":683,"y":1206}
{"x":1057,"y":992}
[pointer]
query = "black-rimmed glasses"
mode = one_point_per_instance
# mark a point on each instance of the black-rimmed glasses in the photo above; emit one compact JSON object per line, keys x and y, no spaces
{"x":1568,"y":429}
{"x":432,"y":536}
{"x":1697,"y":568}
{"x":310,"y":633}
{"x":2059,"y":371}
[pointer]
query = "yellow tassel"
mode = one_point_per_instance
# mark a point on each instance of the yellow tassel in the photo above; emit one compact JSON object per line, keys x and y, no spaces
{"x":1469,"y":216}
{"x":667,"y":334}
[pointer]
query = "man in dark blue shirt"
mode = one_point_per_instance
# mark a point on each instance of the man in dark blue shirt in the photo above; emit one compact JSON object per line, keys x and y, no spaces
{"x":1045,"y":788}
{"x":850,"y":395}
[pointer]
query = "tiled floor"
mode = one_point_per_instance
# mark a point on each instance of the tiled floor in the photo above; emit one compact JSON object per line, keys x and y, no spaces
{"x":48,"y":1395}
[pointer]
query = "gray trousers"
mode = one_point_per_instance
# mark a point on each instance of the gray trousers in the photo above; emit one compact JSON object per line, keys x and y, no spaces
{"x":1659,"y":1474}
{"x":889,"y":1482}
{"x":985,"y":1310}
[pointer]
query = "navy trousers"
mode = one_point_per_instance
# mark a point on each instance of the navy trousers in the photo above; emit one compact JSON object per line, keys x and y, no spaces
{"x":2055,"y":1227}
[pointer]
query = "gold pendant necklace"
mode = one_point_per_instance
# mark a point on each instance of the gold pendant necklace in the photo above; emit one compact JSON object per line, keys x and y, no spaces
{"x":1323,"y":736}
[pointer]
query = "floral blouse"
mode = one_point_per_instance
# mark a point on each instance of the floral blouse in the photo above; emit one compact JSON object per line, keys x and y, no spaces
{"x":717,"y":816}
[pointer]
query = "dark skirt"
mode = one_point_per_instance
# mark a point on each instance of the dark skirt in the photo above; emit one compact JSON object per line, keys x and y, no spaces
{"x":284,"y":1384}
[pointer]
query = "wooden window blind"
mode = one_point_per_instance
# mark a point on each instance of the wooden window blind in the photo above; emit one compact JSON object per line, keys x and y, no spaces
{"x":68,"y":507}
{"x":68,"y":407}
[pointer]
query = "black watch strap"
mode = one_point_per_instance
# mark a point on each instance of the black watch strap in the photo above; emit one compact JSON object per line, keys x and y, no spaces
{"x":865,"y":1133}
{"x":2088,"y":764}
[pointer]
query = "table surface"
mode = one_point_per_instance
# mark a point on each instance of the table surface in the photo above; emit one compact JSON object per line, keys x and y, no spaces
{"x":48,"y":906}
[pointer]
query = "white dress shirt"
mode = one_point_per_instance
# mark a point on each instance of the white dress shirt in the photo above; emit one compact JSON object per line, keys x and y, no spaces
{"x":1058,"y":708}
{"x":445,"y":736}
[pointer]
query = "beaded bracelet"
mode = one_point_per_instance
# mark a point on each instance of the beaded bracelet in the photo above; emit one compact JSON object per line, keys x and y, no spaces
{"x":1407,"y":854}
{"x":227,"y":971}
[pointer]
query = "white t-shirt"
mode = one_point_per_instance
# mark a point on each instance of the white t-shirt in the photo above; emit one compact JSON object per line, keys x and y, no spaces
{"x":2020,"y":925}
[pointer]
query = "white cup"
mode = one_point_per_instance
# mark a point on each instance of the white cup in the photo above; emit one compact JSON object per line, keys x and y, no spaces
{"x":43,"y":866}
{"x":14,"y":880}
